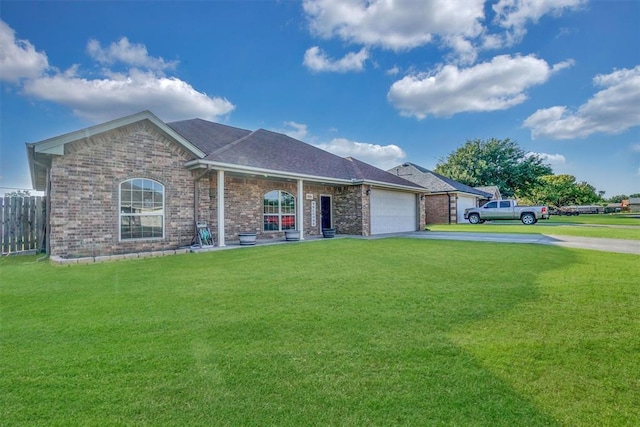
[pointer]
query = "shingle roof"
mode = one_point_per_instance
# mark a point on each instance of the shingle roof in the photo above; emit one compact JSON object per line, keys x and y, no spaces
{"x":264,"y":149}
{"x":365,"y":171}
{"x":436,"y":183}
{"x":200,"y":132}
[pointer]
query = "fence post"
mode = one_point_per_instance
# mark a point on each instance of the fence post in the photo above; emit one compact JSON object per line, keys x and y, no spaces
{"x":5,"y":224}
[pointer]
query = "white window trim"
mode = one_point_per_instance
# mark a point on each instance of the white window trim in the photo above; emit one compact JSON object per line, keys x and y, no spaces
{"x":161,"y":215}
{"x":280,"y":214}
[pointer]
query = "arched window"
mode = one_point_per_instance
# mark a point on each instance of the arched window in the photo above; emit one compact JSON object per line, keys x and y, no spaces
{"x":279,"y":211}
{"x":141,"y":209}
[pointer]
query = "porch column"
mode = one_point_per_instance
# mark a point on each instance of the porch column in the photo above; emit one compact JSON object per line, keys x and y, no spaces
{"x":300,"y":209}
{"x":221,"y":208}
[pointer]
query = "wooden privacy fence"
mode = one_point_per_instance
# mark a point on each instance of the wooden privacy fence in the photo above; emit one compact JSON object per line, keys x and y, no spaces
{"x":23,"y":223}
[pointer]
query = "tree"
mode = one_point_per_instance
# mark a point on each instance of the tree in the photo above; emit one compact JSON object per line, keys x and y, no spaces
{"x":562,"y":190}
{"x":18,"y":193}
{"x":494,"y":162}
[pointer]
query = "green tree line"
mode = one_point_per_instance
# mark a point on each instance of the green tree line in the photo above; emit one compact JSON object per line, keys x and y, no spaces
{"x":518,"y":174}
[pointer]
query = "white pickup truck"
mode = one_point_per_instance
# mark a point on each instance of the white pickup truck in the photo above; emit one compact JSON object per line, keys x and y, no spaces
{"x":506,"y":209}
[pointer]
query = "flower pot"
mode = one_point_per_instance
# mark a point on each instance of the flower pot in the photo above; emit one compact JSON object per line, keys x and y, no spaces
{"x":328,"y":232}
{"x":292,"y":235}
{"x":247,"y":238}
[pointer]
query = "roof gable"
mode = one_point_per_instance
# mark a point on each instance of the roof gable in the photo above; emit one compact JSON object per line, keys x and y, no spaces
{"x":39,"y":153}
{"x":433,"y":181}
{"x":56,"y":145}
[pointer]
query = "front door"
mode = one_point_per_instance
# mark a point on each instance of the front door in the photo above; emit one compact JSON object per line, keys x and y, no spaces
{"x":325,"y":212}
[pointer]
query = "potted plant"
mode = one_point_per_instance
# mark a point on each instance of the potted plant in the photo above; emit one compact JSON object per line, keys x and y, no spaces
{"x":292,"y":235}
{"x":328,"y":232}
{"x":247,"y":238}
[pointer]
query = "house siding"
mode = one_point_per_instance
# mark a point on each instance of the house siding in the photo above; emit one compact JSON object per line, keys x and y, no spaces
{"x":85,"y":189}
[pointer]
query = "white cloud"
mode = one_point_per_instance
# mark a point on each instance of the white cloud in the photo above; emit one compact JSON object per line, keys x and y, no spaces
{"x":18,"y":58}
{"x":459,"y":26}
{"x":635,"y":148}
{"x":612,"y":110}
{"x":123,"y":51}
{"x":552,"y":159}
{"x":393,"y":71}
{"x":381,"y":156}
{"x":514,"y":15}
{"x":104,"y":99}
{"x":296,"y":130}
{"x":396,"y":25}
{"x":140,"y":86}
{"x":317,"y":60}
{"x":489,"y":86}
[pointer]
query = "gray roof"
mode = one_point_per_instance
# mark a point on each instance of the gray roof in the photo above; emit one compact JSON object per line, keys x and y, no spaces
{"x":199,"y":132}
{"x":264,"y":149}
{"x":434,"y":182}
{"x":490,"y":189}
{"x":241,"y":150}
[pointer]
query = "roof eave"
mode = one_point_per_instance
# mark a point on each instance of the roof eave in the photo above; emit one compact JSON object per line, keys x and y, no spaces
{"x":394,"y":186}
{"x":55,"y":146}
{"x":229,"y":167}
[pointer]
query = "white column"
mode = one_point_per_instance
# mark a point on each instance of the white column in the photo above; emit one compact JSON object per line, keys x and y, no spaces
{"x":221,"y":208}
{"x":300,"y":209}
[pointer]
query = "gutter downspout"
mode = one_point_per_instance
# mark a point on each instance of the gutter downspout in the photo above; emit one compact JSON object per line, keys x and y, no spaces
{"x":45,"y":235}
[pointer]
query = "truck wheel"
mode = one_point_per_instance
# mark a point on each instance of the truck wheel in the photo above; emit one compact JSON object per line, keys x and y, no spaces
{"x":474,"y":218}
{"x":528,"y":219}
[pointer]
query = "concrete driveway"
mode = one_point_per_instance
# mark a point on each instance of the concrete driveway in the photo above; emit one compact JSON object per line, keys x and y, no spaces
{"x":598,"y":244}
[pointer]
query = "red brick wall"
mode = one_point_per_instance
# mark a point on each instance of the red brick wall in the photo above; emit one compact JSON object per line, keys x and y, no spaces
{"x":85,"y":190}
{"x":437,"y":209}
{"x":244,"y":210}
{"x":352,"y":211}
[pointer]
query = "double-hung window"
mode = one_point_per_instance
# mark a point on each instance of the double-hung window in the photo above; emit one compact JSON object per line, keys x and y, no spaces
{"x":279,"y":211}
{"x":141,"y":209}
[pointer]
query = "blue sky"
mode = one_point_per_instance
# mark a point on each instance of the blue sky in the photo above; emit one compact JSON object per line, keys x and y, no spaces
{"x":384,"y":81}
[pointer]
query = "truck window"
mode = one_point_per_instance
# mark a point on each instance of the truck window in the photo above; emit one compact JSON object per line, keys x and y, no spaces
{"x":491,"y":205}
{"x":505,"y":204}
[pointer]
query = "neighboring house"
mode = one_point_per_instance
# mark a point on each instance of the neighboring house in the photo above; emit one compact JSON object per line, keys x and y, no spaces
{"x":446,"y":199}
{"x":634,"y":204}
{"x":493,"y":190}
{"x":139,"y":184}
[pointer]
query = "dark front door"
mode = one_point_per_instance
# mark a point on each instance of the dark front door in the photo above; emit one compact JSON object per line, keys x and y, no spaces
{"x":325,"y":211}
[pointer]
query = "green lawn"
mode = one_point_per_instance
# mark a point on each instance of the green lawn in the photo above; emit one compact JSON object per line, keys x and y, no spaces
{"x":603,"y":226}
{"x":333,"y":332}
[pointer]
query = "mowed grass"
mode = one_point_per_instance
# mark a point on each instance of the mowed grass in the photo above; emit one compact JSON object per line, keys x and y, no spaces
{"x":617,"y":226}
{"x":333,"y":332}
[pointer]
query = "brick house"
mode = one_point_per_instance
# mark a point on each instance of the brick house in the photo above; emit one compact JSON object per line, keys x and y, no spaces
{"x":138,"y":184}
{"x":446,"y":199}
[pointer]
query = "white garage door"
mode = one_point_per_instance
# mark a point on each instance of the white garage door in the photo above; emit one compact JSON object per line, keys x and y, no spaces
{"x":392,"y":212}
{"x":464,"y":203}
